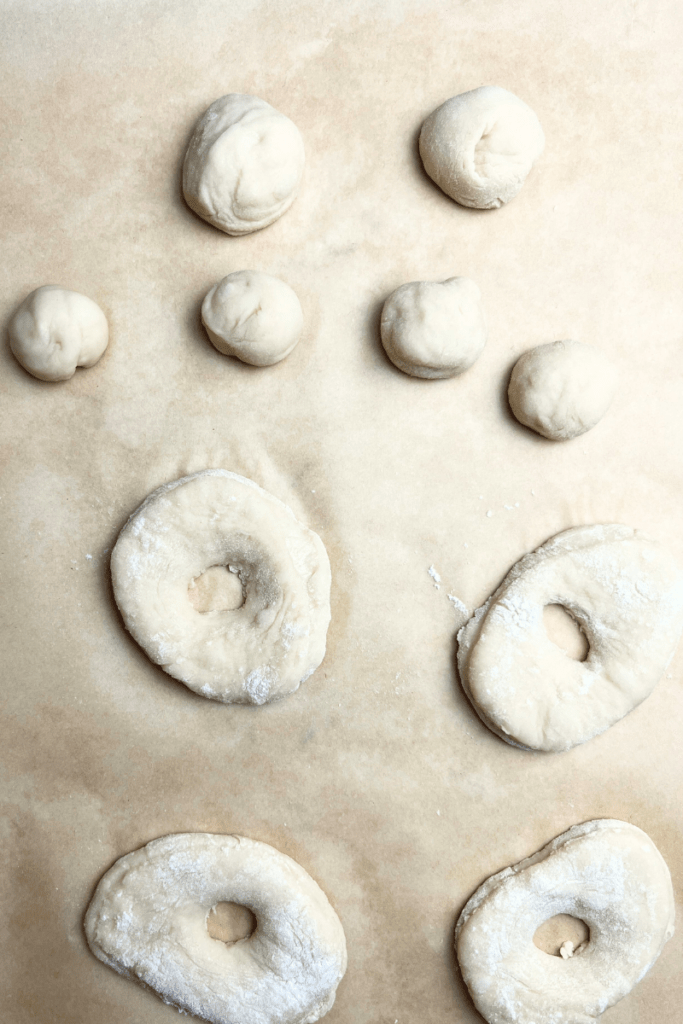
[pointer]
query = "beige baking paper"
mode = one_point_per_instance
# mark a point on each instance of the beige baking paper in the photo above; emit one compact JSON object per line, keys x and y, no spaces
{"x":376,"y":776}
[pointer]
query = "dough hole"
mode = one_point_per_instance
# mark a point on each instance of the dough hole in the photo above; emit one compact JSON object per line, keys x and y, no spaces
{"x":557,"y":930}
{"x":230,"y":922}
{"x":562,"y":628}
{"x":216,"y":590}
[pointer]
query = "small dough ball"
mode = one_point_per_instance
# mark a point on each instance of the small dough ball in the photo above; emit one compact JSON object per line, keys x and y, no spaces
{"x":434,"y":328}
{"x":244,"y":164}
{"x":562,"y":389}
{"x":480,"y":146}
{"x":55,"y":330}
{"x":253,"y":316}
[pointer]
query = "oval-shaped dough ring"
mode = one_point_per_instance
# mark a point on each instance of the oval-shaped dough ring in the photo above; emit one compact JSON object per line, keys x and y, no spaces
{"x":148,"y":918}
{"x":256,"y":653}
{"x":607,"y":873}
{"x":626,"y":593}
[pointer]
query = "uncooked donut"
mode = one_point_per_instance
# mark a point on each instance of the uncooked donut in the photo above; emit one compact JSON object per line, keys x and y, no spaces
{"x":253,"y":316}
{"x":54,"y":330}
{"x":562,"y":389}
{"x":480,"y":146}
{"x":258,"y":652}
{"x":148,"y":919}
{"x":434,"y":328}
{"x":626,"y":593}
{"x":607,"y":873}
{"x":244,"y":164}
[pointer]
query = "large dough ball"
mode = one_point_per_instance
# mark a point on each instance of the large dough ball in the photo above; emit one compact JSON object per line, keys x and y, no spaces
{"x":55,"y":330}
{"x":480,"y":146}
{"x":434,"y":328}
{"x":243,"y":165}
{"x":562,"y":389}
{"x":253,"y":316}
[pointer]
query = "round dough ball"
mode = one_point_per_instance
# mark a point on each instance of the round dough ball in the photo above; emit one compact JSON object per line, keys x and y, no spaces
{"x":253,"y":316}
{"x":244,"y":164}
{"x":480,"y":146}
{"x":55,"y":330}
{"x":251,"y":654}
{"x":434,"y":329}
{"x":606,"y":873}
{"x":626,"y":593}
{"x":562,"y":389}
{"x":148,"y":920}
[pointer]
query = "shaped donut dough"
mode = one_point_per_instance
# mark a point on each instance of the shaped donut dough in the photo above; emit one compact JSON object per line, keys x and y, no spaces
{"x":626,"y":593}
{"x":253,"y":316}
{"x":244,"y":164}
{"x":562,"y":389}
{"x":55,"y":330}
{"x":434,"y":329}
{"x":480,"y":146}
{"x":253,"y":654}
{"x":148,"y":918}
{"x":606,"y":873}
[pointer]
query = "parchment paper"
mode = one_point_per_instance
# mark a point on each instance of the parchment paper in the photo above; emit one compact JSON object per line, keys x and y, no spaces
{"x":376,"y":776}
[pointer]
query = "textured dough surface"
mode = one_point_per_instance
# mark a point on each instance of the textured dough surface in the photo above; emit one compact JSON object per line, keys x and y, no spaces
{"x":253,"y":316}
{"x":148,"y":918}
{"x":434,"y":328}
{"x":626,"y":593}
{"x":258,"y":652}
{"x":562,"y":389}
{"x":244,"y":164}
{"x":54,"y":330}
{"x":608,"y":874}
{"x":480,"y":146}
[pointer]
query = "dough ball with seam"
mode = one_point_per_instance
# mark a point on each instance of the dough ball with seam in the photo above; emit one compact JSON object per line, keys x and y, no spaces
{"x":562,"y":389}
{"x":434,"y":329}
{"x":253,"y":316}
{"x":480,"y":146}
{"x":55,"y":330}
{"x":244,"y":164}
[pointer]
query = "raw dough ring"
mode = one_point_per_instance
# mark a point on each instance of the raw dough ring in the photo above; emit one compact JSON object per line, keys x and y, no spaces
{"x":607,"y":873}
{"x":148,"y":918}
{"x":626,"y":593}
{"x":256,"y":653}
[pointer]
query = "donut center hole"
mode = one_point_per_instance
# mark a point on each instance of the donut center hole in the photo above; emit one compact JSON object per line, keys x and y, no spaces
{"x":230,"y":922}
{"x":562,"y":936}
{"x":218,"y":589}
{"x":562,"y":628}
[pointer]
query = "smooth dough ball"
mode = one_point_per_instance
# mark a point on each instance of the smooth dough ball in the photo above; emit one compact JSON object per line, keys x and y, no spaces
{"x":244,"y":164}
{"x":626,"y":593}
{"x":55,"y":330}
{"x":434,"y":328}
{"x":480,"y":146}
{"x":253,"y":316}
{"x":250,"y":654}
{"x":148,"y":920}
{"x":562,"y":389}
{"x":606,"y":873}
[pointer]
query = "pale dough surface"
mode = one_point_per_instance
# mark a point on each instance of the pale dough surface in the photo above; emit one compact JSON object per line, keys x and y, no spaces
{"x":253,"y":316}
{"x":55,"y":330}
{"x":244,"y":164}
{"x":376,"y":775}
{"x":606,"y":873}
{"x":626,"y":593}
{"x":252,"y":654}
{"x":434,"y":328}
{"x":562,"y":389}
{"x":479,"y":146}
{"x":148,"y":920}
